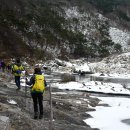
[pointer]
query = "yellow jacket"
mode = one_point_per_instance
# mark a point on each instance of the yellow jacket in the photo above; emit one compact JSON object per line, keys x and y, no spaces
{"x":17,"y":69}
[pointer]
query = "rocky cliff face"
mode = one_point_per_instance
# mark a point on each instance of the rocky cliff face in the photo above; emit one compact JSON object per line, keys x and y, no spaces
{"x":63,"y":28}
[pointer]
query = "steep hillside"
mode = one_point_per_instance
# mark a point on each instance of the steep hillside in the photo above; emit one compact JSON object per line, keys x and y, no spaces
{"x":117,"y":10}
{"x":62,"y":28}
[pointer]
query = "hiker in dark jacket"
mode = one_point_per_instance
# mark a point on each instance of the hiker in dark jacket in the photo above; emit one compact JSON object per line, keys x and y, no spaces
{"x":8,"y":67}
{"x":38,"y":87}
{"x":3,"y":66}
{"x":17,"y":68}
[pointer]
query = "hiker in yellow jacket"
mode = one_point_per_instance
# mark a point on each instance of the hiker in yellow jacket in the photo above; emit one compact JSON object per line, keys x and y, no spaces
{"x":38,"y":87}
{"x":17,"y":68}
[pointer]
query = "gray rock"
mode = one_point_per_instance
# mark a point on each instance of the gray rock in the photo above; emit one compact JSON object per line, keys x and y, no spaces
{"x":4,"y":123}
{"x":126,"y":121}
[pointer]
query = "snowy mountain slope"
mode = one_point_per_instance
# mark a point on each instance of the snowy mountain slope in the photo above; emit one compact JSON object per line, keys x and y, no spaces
{"x":60,"y":28}
{"x":89,"y":24}
{"x":121,"y":37}
{"x":119,"y":64}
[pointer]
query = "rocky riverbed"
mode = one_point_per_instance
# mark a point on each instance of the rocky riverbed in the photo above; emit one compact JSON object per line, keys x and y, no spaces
{"x":69,"y":109}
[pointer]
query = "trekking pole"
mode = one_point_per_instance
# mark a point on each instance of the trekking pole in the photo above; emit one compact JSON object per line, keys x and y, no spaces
{"x":51,"y":112}
{"x":25,"y":88}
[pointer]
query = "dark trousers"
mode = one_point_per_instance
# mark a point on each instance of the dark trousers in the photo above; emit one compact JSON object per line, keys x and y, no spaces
{"x":3,"y":69}
{"x":17,"y":81}
{"x":37,"y":102}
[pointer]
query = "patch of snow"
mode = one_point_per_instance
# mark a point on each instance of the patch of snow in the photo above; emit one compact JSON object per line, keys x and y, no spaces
{"x":12,"y":102}
{"x":94,"y":86}
{"x":83,"y":68}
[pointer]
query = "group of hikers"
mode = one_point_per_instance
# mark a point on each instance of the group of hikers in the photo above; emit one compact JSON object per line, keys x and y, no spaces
{"x":37,"y":82}
{"x":5,"y":66}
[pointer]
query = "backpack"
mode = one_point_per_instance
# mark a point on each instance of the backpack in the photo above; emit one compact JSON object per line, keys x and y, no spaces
{"x":18,"y":71}
{"x":39,"y":85}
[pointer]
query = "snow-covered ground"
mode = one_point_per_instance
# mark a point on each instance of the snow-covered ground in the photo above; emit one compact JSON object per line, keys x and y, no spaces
{"x":105,"y":118}
{"x":110,"y":118}
{"x":94,"y":86}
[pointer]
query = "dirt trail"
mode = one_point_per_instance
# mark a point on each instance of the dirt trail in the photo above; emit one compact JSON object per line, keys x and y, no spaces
{"x":68,"y":109}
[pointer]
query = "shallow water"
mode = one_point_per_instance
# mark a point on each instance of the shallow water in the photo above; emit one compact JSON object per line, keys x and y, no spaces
{"x":56,"y":77}
{"x":123,"y":81}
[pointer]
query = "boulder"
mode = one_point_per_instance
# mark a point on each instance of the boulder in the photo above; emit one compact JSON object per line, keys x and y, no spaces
{"x":4,"y":123}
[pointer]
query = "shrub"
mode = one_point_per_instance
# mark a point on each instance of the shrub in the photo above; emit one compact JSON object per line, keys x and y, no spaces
{"x":67,"y":78}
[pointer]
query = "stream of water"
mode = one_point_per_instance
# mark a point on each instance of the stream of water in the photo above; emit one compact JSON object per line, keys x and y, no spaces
{"x":88,"y":77}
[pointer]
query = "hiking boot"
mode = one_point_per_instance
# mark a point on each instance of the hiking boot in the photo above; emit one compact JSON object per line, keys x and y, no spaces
{"x":40,"y":116}
{"x":35,"y":116}
{"x":18,"y":88}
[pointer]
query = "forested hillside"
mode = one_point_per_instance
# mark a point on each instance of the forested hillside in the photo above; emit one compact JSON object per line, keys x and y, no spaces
{"x":61,"y":28}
